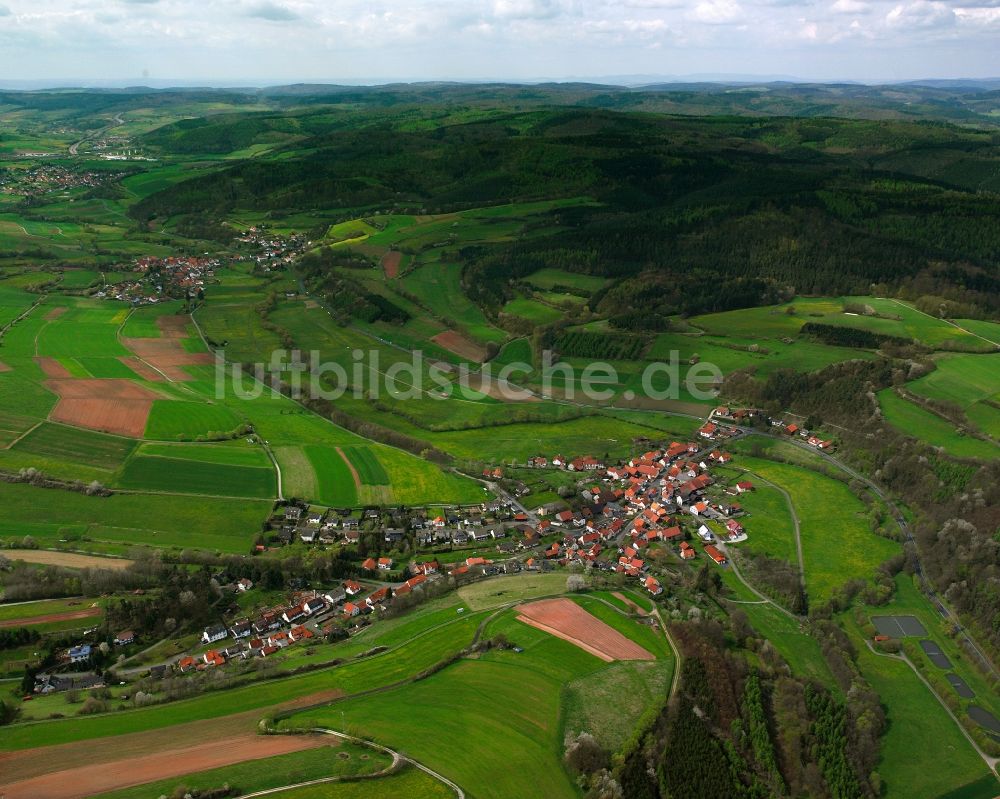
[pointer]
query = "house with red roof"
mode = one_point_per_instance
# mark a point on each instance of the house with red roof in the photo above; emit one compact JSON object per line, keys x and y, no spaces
{"x":370,"y":564}
{"x":715,"y":554}
{"x":350,"y":609}
{"x":652,"y":585}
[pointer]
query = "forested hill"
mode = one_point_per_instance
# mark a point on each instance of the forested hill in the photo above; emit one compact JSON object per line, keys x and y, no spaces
{"x":690,"y":214}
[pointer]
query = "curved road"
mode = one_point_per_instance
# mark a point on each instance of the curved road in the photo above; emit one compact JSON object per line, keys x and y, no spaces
{"x":900,"y":520}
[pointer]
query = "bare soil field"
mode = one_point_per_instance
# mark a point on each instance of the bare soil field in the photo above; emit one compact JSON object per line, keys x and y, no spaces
{"x":4,"y":367}
{"x":461,"y":346}
{"x":72,"y":560}
{"x":118,"y":752}
{"x":52,"y":368}
{"x":391,"y":262}
{"x":174,"y":326}
{"x":142,"y":369}
{"x":55,"y":313}
{"x":111,"y":406}
{"x":69,"y":615}
{"x":209,"y":754}
{"x":565,"y":619}
{"x":166,"y":354}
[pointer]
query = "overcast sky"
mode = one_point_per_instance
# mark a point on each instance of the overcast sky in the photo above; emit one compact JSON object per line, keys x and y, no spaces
{"x":274,"y":41}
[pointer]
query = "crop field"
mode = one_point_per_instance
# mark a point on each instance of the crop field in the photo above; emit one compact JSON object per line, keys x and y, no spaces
{"x":920,"y":423}
{"x":549,"y":279}
{"x":335,"y":759}
{"x":367,"y":465}
{"x":768,"y":524}
{"x":228,"y":453}
{"x":334,"y":481}
{"x":836,"y":540}
{"x":177,"y":419}
{"x":160,"y":520}
{"x":79,"y":446}
{"x":172,"y":475}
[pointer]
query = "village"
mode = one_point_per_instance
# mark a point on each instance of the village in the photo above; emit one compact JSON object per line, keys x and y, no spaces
{"x":631,"y":521}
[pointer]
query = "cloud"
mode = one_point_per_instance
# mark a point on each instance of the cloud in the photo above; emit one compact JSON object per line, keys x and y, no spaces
{"x":849,"y":7}
{"x":717,"y":12}
{"x":4,"y":11}
{"x":921,"y":15}
{"x":270,"y":12}
{"x":526,"y":9}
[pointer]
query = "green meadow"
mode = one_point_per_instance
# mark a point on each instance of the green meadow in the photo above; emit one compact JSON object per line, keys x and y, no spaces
{"x":837,"y":543}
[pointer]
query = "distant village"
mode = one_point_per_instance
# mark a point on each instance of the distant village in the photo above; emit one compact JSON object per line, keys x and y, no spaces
{"x":38,"y":181}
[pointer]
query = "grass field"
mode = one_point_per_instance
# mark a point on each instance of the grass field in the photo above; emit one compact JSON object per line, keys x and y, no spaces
{"x":532,"y":310}
{"x":78,"y":446}
{"x":836,"y":540}
{"x":512,"y":588}
{"x":928,"y":427}
{"x":229,"y":453}
{"x":367,"y":466}
{"x":334,"y":483}
{"x":129,"y":519}
{"x":173,"y":475}
{"x":177,"y":419}
{"x":919,"y":731}
{"x":408,"y":782}
{"x":891,"y":317}
{"x":972,"y":382}
{"x":516,"y":752}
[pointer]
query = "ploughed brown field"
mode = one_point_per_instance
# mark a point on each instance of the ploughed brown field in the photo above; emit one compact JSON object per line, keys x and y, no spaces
{"x":52,"y":368}
{"x":111,"y":406}
{"x":391,"y":262}
{"x":565,"y":619}
{"x":100,"y":765}
{"x":461,"y":346}
{"x":69,"y":615}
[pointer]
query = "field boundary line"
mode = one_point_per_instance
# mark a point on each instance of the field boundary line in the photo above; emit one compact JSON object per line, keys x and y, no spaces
{"x":25,"y":433}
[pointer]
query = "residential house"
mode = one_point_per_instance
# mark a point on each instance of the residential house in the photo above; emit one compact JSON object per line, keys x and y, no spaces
{"x":124,"y":638}
{"x":214,"y":633}
{"x":79,"y":654}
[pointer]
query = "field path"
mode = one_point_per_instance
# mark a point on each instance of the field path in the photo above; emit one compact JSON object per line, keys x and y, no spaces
{"x":350,"y":466}
{"x":795,"y":523}
{"x":991,"y":762}
{"x":947,"y":322}
{"x":397,"y":760}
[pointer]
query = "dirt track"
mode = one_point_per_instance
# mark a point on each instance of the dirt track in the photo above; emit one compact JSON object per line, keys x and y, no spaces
{"x":99,"y":778}
{"x":142,"y":369}
{"x":565,"y":619}
{"x":350,"y":466}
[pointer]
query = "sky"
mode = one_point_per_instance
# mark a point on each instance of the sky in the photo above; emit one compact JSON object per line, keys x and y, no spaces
{"x":266,"y":42}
